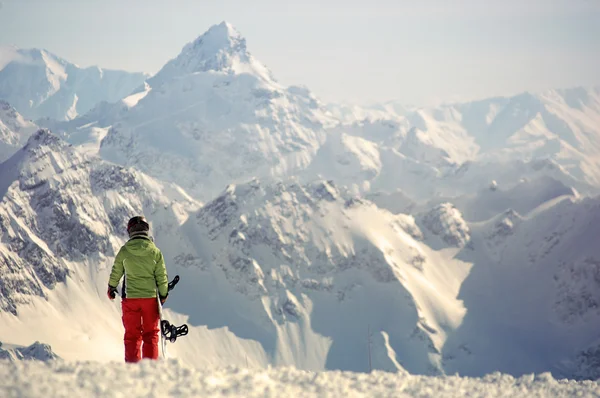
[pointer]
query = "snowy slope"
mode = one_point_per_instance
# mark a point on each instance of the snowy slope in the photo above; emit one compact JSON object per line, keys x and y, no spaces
{"x":366,"y":167}
{"x":14,"y":130}
{"x":172,"y":378}
{"x":306,"y":271}
{"x":532,"y":293}
{"x":39,"y":84}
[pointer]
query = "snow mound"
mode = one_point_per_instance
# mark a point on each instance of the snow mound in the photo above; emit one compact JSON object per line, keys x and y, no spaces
{"x":171,"y":378}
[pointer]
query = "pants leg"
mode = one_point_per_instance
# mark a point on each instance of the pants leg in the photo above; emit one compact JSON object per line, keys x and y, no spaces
{"x":132,"y":321}
{"x":150,"y":328}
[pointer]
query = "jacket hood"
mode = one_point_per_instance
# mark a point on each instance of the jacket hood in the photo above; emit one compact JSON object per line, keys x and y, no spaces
{"x":139,"y":247}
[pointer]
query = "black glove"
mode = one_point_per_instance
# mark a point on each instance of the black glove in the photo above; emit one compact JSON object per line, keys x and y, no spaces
{"x":111,"y":292}
{"x":163,"y":298}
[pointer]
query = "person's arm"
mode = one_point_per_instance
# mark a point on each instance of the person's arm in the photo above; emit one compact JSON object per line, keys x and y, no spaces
{"x":160,"y":275}
{"x":116,"y":273}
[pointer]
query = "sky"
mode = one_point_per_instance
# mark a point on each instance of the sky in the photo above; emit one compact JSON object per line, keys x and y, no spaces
{"x":419,"y":52}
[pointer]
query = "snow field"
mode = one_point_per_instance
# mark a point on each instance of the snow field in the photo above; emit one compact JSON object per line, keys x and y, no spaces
{"x":172,"y":379}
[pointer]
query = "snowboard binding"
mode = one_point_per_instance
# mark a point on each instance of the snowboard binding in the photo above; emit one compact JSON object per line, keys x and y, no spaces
{"x":171,"y":332}
{"x":174,"y":282}
{"x":167,"y":330}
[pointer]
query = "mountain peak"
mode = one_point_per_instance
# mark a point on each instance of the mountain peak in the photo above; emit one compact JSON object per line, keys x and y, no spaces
{"x":220,"y":49}
{"x":43,"y":137}
{"x":5,"y":106}
{"x":224,"y":30}
{"x":213,"y":47}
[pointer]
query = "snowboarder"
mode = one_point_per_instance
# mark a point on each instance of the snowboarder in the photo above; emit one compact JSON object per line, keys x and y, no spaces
{"x":143,"y":267}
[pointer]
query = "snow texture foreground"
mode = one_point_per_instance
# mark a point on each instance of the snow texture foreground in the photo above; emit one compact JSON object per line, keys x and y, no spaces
{"x":171,"y":378}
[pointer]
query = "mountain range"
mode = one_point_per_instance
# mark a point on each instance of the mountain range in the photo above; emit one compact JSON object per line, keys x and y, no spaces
{"x":437,"y":240}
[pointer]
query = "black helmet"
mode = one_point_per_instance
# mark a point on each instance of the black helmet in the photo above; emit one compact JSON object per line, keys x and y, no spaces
{"x":137,"y":224}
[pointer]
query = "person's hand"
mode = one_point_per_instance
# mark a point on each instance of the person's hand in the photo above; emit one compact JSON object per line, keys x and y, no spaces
{"x":163,"y":299}
{"x":111,"y":292}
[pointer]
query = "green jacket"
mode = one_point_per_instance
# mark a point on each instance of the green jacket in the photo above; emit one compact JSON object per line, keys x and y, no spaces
{"x":144,"y":268}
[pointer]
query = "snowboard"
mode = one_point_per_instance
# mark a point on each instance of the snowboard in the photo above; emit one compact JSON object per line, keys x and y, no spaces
{"x":169,"y":332}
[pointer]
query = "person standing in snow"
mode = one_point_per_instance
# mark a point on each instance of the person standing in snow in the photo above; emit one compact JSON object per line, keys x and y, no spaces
{"x":143,"y":267}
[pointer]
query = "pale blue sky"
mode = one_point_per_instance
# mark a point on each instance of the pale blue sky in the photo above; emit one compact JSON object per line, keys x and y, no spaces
{"x":419,"y":51}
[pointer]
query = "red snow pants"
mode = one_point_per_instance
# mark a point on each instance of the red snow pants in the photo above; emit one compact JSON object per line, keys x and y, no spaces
{"x":140,"y":318}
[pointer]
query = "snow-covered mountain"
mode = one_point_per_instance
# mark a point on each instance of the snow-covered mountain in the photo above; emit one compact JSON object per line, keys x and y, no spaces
{"x":263,"y":267}
{"x":40,"y":84}
{"x":215,"y":115}
{"x":36,"y":351}
{"x":300,"y":274}
{"x":211,"y":116}
{"x":461,"y":148}
{"x":306,"y":270}
{"x":220,"y":49}
{"x":308,"y":275}
{"x":310,"y":261}
{"x":14,"y":130}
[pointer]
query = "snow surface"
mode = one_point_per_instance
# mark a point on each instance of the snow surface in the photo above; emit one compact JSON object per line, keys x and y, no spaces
{"x":172,"y":378}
